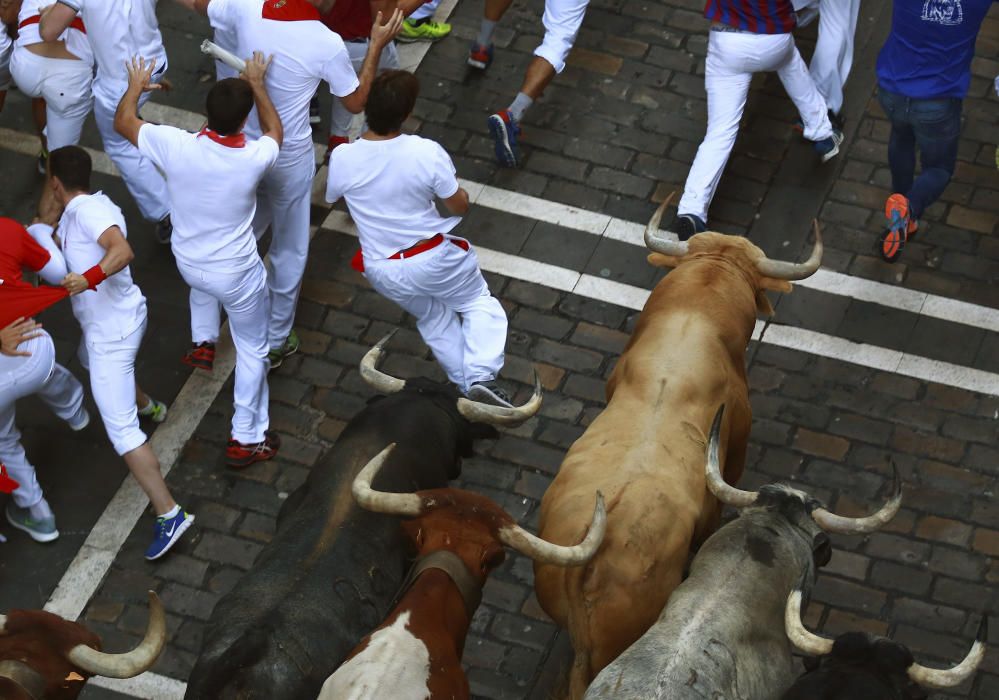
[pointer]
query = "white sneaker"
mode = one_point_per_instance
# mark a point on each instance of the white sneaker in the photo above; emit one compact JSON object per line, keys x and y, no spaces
{"x":82,"y":423}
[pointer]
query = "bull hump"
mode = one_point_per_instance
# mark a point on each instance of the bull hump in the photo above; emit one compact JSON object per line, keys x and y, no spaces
{"x":394,"y":664}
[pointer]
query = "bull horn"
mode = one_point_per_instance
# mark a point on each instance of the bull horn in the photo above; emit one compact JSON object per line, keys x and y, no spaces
{"x":780,"y":270}
{"x":729,"y":495}
{"x":129,"y":664}
{"x":380,"y":501}
{"x":803,"y":640}
{"x":949,"y":677}
{"x":545,"y":552}
{"x":654,"y":238}
{"x":478,"y":412}
{"x":830,"y":522}
{"x":384,"y":383}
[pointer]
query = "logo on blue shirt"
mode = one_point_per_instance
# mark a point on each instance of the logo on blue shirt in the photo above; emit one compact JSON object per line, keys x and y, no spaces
{"x":945,"y":12}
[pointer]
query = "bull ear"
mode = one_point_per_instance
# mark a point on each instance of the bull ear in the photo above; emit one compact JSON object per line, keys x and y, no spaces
{"x":660,"y":260}
{"x":782,"y":286}
{"x":763,"y":306}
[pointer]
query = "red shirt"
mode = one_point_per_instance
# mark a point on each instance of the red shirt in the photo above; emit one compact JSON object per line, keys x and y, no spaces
{"x":351,"y":19}
{"x":18,"y":249}
{"x":756,"y":16}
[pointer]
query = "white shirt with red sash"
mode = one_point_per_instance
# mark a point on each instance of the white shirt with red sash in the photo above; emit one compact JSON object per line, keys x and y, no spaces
{"x":212,"y":182}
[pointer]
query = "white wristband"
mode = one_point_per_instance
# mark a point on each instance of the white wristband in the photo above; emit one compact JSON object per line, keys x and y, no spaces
{"x":220,"y":54}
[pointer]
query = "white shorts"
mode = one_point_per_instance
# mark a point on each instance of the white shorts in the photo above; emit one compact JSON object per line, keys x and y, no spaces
{"x":66,"y":86}
{"x":112,"y":382}
{"x":562,"y":20}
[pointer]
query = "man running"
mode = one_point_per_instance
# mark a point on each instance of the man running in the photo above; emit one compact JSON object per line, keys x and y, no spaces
{"x":212,"y":178}
{"x":112,"y":313}
{"x":833,"y":55}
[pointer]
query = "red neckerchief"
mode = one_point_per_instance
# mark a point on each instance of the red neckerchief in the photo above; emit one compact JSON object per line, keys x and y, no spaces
{"x":290,"y":10}
{"x":237,"y":141}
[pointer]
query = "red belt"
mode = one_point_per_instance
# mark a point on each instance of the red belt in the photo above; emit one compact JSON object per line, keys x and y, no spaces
{"x":357,"y":262}
{"x":77,"y":23}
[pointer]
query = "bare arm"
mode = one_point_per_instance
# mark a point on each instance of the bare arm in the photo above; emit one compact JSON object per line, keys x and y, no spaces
{"x":126,"y":117}
{"x":457,"y":203}
{"x":55,"y":20}
{"x":117,"y":254}
{"x":9,"y":10}
{"x":270,"y":122}
{"x":381,"y":35}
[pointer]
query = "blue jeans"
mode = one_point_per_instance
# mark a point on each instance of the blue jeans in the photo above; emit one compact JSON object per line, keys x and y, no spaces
{"x":932,"y":125}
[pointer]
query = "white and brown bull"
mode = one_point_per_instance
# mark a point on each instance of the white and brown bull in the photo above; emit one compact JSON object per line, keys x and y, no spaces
{"x":645,"y":451}
{"x":44,"y":657}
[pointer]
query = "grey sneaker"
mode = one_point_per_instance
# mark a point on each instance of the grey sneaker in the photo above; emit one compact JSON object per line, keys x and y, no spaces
{"x":82,"y":422}
{"x":489,"y":392}
{"x":288,"y":348}
{"x":43,"y":530}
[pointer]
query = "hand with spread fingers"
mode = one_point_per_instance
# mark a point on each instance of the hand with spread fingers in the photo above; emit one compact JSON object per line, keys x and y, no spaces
{"x":140,"y":73}
{"x":20,"y":331}
{"x":256,"y":68}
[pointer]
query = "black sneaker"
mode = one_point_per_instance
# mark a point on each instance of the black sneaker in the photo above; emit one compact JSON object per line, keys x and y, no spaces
{"x":838,"y":121}
{"x":164,"y":230}
{"x":489,"y":392}
{"x":828,"y":148}
{"x":686,"y":225}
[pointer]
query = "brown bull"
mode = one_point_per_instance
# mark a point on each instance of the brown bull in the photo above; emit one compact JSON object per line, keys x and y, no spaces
{"x":44,"y":657}
{"x":459,"y":536}
{"x":645,"y":451}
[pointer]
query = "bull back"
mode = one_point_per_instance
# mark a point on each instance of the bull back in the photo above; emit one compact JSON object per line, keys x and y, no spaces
{"x":331,"y":571}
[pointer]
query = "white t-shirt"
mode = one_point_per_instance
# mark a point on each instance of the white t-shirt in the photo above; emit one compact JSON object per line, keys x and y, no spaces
{"x":116,"y":309}
{"x":305,"y":52}
{"x":118,"y":30}
{"x":76,"y":41}
{"x":213,"y":194}
{"x":390,"y":187}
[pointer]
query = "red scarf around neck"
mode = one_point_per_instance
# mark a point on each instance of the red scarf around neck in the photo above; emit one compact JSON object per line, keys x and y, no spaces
{"x":290,"y":10}
{"x":234,"y":141}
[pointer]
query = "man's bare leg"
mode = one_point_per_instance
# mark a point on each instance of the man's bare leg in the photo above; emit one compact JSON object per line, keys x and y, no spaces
{"x":504,"y":126}
{"x":145,"y":468}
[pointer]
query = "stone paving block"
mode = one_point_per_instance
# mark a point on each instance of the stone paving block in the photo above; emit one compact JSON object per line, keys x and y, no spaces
{"x":567,"y":356}
{"x":188,"y":601}
{"x":227,"y":550}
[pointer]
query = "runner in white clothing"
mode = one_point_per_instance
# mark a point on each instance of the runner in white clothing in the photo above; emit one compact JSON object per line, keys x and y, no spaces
{"x":833,"y":56}
{"x":118,"y":30}
{"x":390,"y":182}
{"x":305,"y":52}
{"x":60,"y":72}
{"x":112,"y":313}
{"x":212,"y":178}
{"x":6,"y":47}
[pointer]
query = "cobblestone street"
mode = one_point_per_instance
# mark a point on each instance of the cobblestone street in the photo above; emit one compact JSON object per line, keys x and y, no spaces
{"x":864,"y":363}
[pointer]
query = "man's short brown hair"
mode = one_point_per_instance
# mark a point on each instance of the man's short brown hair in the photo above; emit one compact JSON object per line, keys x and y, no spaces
{"x":392,"y":98}
{"x":72,"y":165}
{"x":228,"y":104}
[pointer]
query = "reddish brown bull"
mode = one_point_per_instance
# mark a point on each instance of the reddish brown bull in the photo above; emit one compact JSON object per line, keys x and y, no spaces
{"x":44,"y":657}
{"x":459,"y":536}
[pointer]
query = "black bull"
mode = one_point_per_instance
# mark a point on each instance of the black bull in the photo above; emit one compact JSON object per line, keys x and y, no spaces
{"x":329,"y":575}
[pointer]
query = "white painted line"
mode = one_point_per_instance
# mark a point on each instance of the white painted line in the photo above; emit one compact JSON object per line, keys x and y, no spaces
{"x":149,"y":685}
{"x":542,"y":210}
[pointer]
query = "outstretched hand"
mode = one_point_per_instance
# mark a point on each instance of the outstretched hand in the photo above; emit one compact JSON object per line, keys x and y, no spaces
{"x":382,"y":34}
{"x":140,"y":73}
{"x":256,"y":68}
{"x":21,"y":330}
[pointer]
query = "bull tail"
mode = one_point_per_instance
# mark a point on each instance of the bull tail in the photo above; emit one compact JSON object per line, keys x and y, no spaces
{"x":580,"y":631}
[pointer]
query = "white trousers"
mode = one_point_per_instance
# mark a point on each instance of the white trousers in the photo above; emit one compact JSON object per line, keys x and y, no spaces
{"x":245,"y":299}
{"x":65,"y":85}
{"x":143,"y":180}
{"x":55,"y":386}
{"x":833,"y":55}
{"x":562,"y":20}
{"x":341,"y":117}
{"x":733,"y":58}
{"x":283,"y":202}
{"x":425,"y":10}
{"x":464,"y":325}
{"x":112,"y":382}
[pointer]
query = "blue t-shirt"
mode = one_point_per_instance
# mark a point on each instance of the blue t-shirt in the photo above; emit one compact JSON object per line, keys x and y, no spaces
{"x":929,"y":50}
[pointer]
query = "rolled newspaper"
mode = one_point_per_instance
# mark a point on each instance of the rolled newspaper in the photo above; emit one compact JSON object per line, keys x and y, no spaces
{"x":220,"y":54}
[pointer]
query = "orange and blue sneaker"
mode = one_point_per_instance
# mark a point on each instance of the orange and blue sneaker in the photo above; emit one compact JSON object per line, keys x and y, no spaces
{"x":480,"y":56}
{"x":901,"y":228}
{"x":505,"y":130}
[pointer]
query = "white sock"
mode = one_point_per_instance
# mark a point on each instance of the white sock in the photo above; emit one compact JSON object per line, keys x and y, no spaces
{"x":172,"y":513}
{"x":485,"y":37}
{"x":520,"y":104}
{"x":41,"y":510}
{"x":148,"y":408}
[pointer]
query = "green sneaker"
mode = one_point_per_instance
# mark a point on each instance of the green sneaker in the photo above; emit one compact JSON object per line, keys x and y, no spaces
{"x":40,"y":530}
{"x":156,"y":411}
{"x":423,"y":30}
{"x":290,"y":347}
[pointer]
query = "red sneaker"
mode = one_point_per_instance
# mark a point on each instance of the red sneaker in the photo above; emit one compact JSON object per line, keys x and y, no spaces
{"x":331,"y":144}
{"x":900,"y":227}
{"x":239,"y":455}
{"x":200,"y":356}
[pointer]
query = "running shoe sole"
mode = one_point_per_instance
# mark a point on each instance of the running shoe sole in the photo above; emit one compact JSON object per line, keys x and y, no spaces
{"x":33,"y":534}
{"x":198,"y":363}
{"x":82,"y":424}
{"x":501,"y":140}
{"x":893,"y":240}
{"x":473,"y":63}
{"x":181,"y":529}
